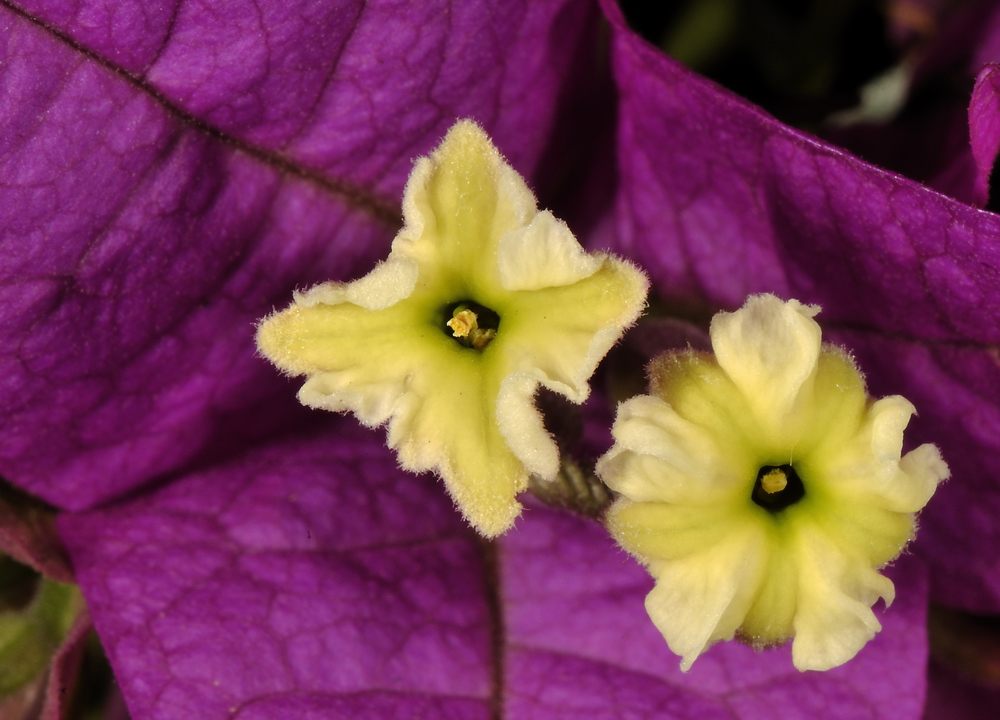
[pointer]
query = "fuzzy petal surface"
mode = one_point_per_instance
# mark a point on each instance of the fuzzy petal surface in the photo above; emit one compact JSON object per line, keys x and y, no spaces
{"x":763,"y":490}
{"x":386,"y":347}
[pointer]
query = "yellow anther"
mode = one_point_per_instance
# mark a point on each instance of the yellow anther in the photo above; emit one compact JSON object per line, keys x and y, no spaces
{"x":464,"y":323}
{"x":775,"y":481}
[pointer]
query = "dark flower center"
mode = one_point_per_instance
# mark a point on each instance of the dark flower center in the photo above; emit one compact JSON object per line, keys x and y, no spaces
{"x":777,"y":487}
{"x":470,"y":324}
{"x":18,"y":585}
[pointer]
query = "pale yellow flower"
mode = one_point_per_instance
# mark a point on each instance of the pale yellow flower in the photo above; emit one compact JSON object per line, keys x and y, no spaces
{"x":482,"y":300}
{"x":763,"y":489}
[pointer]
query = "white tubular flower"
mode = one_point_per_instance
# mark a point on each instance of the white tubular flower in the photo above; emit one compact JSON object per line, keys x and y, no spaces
{"x":763,"y":489}
{"x":482,"y":299}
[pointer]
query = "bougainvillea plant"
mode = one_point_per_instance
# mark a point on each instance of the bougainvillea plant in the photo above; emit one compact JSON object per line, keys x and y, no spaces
{"x":172,"y":173}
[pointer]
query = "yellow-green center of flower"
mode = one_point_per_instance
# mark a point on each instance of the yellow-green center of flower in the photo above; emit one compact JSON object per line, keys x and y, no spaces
{"x":777,"y":487}
{"x":471,"y":324}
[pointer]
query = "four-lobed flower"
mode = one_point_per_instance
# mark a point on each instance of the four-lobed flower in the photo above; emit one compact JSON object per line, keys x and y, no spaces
{"x":482,"y":300}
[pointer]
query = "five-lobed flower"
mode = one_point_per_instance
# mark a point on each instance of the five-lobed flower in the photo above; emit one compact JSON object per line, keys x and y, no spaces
{"x":763,"y":489}
{"x":482,"y":300}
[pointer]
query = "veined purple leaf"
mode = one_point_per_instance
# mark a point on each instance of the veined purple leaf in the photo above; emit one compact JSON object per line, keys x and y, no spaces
{"x":310,"y":572}
{"x":930,"y":146}
{"x":171,"y":173}
{"x":311,"y":578}
{"x":152,"y":214}
{"x":351,"y":89}
{"x":717,"y":200}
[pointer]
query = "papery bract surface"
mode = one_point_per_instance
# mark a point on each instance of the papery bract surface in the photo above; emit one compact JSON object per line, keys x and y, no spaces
{"x":150,"y":217}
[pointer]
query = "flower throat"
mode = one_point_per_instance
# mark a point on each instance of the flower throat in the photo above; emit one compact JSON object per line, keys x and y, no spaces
{"x":777,"y":487}
{"x":471,"y":325}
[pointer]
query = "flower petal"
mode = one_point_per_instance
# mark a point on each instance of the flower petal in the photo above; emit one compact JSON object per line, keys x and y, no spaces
{"x":409,"y":354}
{"x":834,"y":619}
{"x":770,"y":349}
{"x":956,"y":390}
{"x":388,"y":283}
{"x":449,"y":424}
{"x":706,"y":581}
{"x":336,"y":344}
{"x":543,"y":254}
{"x":719,"y":200}
{"x":458,"y":204}
{"x":564,"y":331}
{"x":660,"y":456}
{"x":440,"y":399}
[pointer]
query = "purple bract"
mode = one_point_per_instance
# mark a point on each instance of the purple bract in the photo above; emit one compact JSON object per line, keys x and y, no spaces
{"x":171,"y":173}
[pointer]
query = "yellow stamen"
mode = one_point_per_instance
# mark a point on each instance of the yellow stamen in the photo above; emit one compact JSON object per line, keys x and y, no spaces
{"x":774,"y":481}
{"x":481,"y":337}
{"x":464,"y":323}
